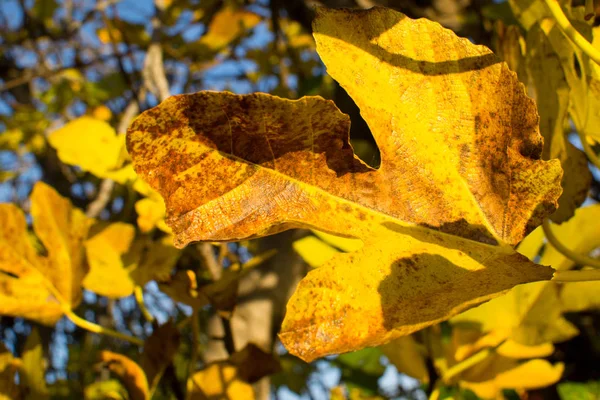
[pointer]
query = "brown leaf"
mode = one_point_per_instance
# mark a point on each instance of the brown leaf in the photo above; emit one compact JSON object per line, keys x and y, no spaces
{"x":159,"y":350}
{"x":253,"y":363}
{"x":8,"y":368}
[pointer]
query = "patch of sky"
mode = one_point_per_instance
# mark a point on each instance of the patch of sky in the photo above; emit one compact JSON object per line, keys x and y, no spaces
{"x":261,"y":36}
{"x":19,"y":188}
{"x":136,"y":11}
{"x":117,"y":205}
{"x":192,"y":32}
{"x":12,"y":12}
{"x":5,"y":109}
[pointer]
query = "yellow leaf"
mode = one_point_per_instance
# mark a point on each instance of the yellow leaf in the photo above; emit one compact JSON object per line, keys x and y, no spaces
{"x":151,"y":213}
{"x":408,"y":357}
{"x":105,"y":249}
{"x":532,"y":244}
{"x":106,"y":36}
{"x":581,"y":234}
{"x":509,"y":374}
{"x":11,"y":139}
{"x":89,"y":143}
{"x":110,"y":389}
{"x":552,"y":97}
{"x":296,"y":36}
{"x":581,"y":73}
{"x":219,"y":381}
{"x":512,"y":349}
{"x":342,"y":243}
{"x":149,"y":260}
{"x":314,"y":251}
{"x":31,"y":370}
{"x":129,"y":373}
{"x":227,"y":25}
{"x":529,"y":314}
{"x":102,"y":113}
{"x":580,"y":296}
{"x":39,"y":287}
{"x":461,"y":180}
{"x":122,"y":175}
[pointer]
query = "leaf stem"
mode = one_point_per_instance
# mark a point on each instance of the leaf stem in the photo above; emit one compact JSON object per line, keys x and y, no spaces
{"x":469,"y":362}
{"x":92,"y":327}
{"x":589,"y":152}
{"x":584,"y":275}
{"x":578,"y":258}
{"x":139,"y":297}
{"x":571,"y":32}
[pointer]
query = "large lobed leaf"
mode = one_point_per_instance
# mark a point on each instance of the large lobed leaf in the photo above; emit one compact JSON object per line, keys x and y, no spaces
{"x":460,"y":182}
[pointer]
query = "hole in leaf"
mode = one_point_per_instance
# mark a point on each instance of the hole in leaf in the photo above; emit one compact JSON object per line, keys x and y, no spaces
{"x":360,"y":135}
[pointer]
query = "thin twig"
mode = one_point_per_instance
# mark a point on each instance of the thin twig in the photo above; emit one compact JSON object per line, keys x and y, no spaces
{"x":228,"y":336}
{"x":209,"y":260}
{"x":571,"y":32}
{"x":99,"y":203}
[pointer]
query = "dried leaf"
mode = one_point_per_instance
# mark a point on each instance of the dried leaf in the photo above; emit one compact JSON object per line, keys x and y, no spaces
{"x":34,"y":286}
{"x":159,"y":350}
{"x":253,"y":363}
{"x":460,"y":182}
{"x":182,"y":287}
{"x":129,"y":373}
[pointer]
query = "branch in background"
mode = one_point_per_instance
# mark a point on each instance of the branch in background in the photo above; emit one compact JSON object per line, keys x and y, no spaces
{"x":107,"y":185}
{"x":209,"y":261}
{"x":104,"y":194}
{"x":155,"y":79}
{"x":28,"y":76}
